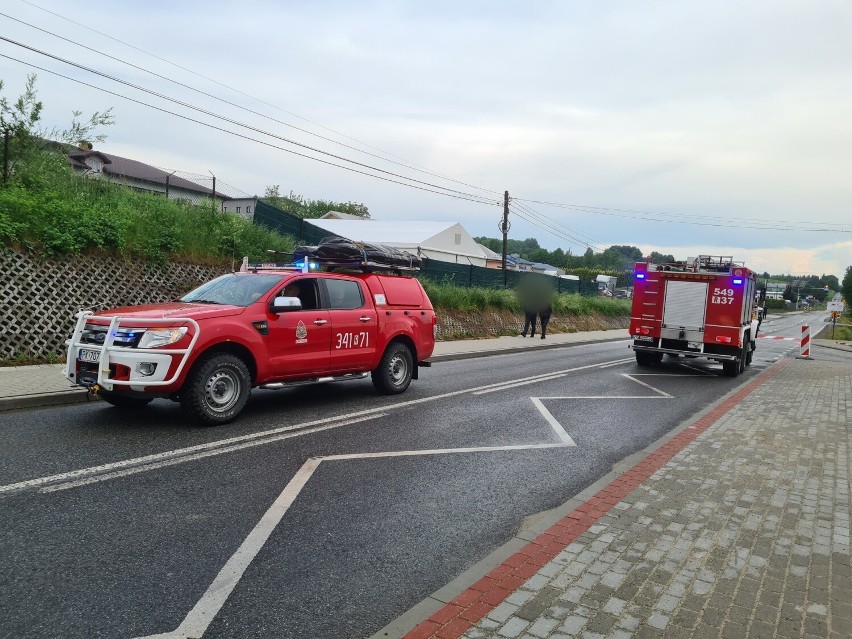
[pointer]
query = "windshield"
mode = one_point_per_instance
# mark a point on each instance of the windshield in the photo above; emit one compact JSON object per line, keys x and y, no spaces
{"x":233,"y":289}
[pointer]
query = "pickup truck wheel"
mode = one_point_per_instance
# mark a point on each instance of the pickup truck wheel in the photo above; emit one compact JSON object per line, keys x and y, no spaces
{"x":394,"y":372}
{"x":217,"y":389}
{"x":120,"y":400}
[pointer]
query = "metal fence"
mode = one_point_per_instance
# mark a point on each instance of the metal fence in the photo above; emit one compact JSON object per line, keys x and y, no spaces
{"x":466,"y":275}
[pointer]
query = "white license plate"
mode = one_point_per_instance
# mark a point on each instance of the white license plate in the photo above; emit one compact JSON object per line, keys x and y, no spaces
{"x":86,"y":355}
{"x":695,"y":345}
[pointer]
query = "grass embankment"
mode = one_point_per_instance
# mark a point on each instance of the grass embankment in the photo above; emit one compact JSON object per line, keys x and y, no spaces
{"x":48,"y":208}
{"x":840,"y":333}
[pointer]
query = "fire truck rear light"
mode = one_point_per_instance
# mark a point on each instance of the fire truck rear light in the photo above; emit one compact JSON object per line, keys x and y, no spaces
{"x":738,"y":280}
{"x":640,"y":276}
{"x":724,"y":340}
{"x":645,"y":331}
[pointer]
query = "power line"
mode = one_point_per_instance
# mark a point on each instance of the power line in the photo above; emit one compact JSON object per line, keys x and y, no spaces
{"x":404,"y":164}
{"x":651,"y":216}
{"x":543,"y":225}
{"x":579,"y":238}
{"x":475,"y":199}
{"x":232,"y":121}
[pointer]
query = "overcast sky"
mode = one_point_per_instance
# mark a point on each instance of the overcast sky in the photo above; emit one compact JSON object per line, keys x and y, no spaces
{"x":682,"y":127}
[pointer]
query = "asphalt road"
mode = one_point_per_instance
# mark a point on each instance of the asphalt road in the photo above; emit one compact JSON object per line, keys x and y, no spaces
{"x":325,"y":511}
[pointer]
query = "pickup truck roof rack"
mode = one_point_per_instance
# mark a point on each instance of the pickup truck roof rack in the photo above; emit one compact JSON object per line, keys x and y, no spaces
{"x":335,"y":253}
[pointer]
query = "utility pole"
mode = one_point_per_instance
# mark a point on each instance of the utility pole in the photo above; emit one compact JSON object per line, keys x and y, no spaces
{"x":504,"y":227}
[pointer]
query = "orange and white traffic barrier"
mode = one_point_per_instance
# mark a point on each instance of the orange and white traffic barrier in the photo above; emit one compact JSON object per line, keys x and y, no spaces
{"x":806,"y":342}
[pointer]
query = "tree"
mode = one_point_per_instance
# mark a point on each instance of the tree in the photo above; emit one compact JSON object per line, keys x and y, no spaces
{"x":20,"y":118}
{"x":846,"y":287}
{"x":310,"y":209}
{"x":491,"y":243}
{"x":620,"y":258}
{"x":20,"y":122}
{"x":659,"y":258}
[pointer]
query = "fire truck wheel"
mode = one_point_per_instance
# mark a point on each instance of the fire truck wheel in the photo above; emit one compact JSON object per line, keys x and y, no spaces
{"x":120,"y":400}
{"x":394,"y":372}
{"x":731,"y":369}
{"x":216,"y":389}
{"x":644,"y":358}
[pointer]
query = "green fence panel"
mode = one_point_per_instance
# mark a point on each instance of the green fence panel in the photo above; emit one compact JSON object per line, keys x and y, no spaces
{"x":285,"y":223}
{"x":466,"y":275}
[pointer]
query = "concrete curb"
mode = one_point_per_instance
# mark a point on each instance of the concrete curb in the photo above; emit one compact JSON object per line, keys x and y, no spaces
{"x":45,"y":399}
{"x":534,"y":525}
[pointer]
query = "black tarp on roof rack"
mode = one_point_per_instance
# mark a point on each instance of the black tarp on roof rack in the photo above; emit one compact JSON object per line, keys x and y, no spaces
{"x":337,"y":251}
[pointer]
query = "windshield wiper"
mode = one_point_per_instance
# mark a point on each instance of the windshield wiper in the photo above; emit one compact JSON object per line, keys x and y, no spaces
{"x":200,"y":301}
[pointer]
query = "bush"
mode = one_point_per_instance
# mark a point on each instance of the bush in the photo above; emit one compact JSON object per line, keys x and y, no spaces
{"x":48,"y":207}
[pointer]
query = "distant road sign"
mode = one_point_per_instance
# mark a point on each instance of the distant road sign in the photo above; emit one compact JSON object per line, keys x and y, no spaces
{"x":836,"y":306}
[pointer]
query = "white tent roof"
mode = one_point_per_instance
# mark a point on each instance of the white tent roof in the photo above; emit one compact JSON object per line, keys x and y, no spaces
{"x":491,"y":255}
{"x":414,"y":233}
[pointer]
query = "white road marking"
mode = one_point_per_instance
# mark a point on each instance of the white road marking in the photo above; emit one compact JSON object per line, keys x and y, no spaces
{"x":190,"y":453}
{"x":560,"y":431}
{"x":202,"y":614}
{"x":196,"y":622}
{"x":565,"y":437}
{"x":543,"y":377}
{"x":198,"y":619}
{"x":202,"y":455}
{"x":616,"y":363}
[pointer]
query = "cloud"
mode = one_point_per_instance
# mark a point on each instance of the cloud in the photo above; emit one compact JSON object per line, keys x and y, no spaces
{"x":697,"y":112}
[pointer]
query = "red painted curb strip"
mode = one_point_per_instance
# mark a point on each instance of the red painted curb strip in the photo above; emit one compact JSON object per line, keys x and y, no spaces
{"x":454,"y":619}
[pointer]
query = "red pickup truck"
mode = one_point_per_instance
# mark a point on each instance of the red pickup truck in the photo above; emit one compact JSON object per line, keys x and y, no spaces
{"x":264,"y":328}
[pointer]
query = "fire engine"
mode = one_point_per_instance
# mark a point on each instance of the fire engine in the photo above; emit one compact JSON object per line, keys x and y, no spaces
{"x":701,"y":307}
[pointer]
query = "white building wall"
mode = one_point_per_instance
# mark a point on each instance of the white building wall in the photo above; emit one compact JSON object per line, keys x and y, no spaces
{"x":243,"y":207}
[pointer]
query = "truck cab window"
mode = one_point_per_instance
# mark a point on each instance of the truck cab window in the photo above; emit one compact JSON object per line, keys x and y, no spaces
{"x":344,"y":294}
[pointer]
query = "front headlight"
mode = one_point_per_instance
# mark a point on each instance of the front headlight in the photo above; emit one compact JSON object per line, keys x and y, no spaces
{"x":155,"y":337}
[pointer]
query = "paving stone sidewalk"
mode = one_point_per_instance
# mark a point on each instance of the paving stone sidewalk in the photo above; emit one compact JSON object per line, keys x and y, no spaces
{"x":736,"y":527}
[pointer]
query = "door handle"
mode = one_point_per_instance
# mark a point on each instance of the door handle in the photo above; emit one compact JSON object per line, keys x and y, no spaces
{"x":320,"y":322}
{"x":364,"y":319}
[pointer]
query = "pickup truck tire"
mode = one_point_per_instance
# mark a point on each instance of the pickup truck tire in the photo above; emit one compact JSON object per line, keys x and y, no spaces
{"x":120,"y":400}
{"x":394,"y":372}
{"x":217,"y":389}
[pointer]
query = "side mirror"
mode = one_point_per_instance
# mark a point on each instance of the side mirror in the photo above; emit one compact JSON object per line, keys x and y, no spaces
{"x":285,"y":304}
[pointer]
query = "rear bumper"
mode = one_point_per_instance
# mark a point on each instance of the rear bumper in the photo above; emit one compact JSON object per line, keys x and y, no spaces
{"x":719,"y":357}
